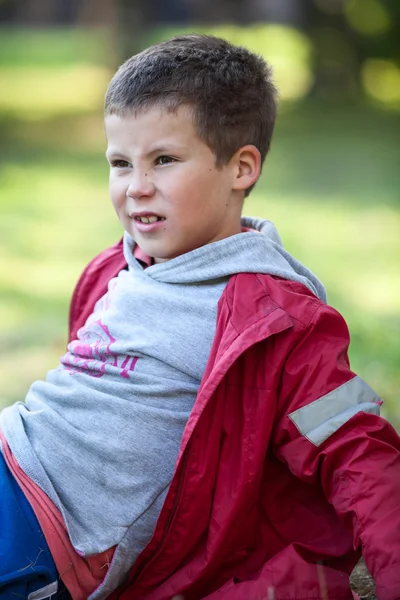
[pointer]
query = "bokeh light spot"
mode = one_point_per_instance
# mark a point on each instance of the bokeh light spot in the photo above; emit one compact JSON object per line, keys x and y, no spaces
{"x":368,"y":17}
{"x":381,"y":81}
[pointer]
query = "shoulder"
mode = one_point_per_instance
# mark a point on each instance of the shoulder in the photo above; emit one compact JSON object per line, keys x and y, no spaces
{"x":92,"y":284}
{"x":112,"y":256}
{"x":102,"y":267}
{"x":265,"y":293}
{"x":253,"y":302}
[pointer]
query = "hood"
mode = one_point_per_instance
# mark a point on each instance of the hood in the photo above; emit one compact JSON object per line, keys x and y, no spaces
{"x":258,"y":249}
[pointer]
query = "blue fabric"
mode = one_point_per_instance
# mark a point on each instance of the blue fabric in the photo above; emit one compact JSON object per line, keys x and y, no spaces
{"x":26,"y":564}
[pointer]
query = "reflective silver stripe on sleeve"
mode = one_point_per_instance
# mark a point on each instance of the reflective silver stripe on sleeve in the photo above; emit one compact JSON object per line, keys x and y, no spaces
{"x":45,"y":593}
{"x":321,"y":418}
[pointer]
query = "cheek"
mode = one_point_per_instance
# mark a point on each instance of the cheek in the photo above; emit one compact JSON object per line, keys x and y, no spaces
{"x":117,"y":194}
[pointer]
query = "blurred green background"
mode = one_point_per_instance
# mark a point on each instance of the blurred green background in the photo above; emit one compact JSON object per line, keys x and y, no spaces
{"x":331,"y":182}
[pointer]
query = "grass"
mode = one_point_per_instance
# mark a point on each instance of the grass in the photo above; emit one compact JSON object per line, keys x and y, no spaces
{"x":330,"y":185}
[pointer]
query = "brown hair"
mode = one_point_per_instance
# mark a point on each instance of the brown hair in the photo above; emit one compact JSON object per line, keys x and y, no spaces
{"x":228,"y":87}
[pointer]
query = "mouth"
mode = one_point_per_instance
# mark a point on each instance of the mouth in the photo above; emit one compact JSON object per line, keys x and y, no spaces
{"x":148,"y":223}
{"x":151,"y":219}
{"x":146,"y":217}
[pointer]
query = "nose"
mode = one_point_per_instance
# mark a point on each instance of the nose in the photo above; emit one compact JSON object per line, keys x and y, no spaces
{"x":140,"y":185}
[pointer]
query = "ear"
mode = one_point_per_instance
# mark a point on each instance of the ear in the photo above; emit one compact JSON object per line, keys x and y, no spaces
{"x":247,"y":162}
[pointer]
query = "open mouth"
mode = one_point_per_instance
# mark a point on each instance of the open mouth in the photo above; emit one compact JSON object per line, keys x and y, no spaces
{"x":150,"y":219}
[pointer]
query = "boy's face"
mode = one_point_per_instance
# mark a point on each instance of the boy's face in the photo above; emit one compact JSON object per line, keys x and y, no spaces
{"x":159,"y":167}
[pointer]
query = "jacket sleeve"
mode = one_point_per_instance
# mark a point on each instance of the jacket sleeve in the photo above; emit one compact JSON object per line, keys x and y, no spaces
{"x":329,"y":430}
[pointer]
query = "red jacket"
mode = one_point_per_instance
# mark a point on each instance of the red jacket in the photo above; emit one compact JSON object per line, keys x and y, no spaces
{"x":266,"y":502}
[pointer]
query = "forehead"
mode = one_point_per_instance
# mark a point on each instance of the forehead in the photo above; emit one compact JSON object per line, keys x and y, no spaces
{"x":147,"y":126}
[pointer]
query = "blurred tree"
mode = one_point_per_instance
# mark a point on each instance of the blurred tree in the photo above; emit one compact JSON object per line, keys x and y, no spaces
{"x":346,"y":34}
{"x":40,"y":12}
{"x":58,"y":12}
{"x":140,"y":15}
{"x":7,"y":11}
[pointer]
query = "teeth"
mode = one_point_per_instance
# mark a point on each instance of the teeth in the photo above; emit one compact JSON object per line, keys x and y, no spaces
{"x":151,"y":219}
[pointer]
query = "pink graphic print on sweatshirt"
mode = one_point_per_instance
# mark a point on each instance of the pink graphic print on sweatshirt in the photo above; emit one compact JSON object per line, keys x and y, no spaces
{"x":92,"y":351}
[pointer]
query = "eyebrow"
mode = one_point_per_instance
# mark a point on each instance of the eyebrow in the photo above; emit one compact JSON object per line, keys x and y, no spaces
{"x":166,"y":148}
{"x":112,"y":153}
{"x":162,"y":149}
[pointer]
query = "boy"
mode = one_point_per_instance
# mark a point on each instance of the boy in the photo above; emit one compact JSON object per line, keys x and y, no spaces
{"x":203,"y":436}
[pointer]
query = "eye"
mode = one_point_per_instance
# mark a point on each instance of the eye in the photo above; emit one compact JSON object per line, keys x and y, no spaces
{"x":164,"y":160}
{"x":119,"y":164}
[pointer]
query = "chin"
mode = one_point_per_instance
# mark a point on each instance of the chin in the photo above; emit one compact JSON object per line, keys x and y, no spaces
{"x":164,"y":257}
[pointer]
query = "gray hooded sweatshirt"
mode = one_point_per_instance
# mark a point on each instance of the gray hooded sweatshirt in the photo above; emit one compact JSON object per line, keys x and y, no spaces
{"x":101,"y":435}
